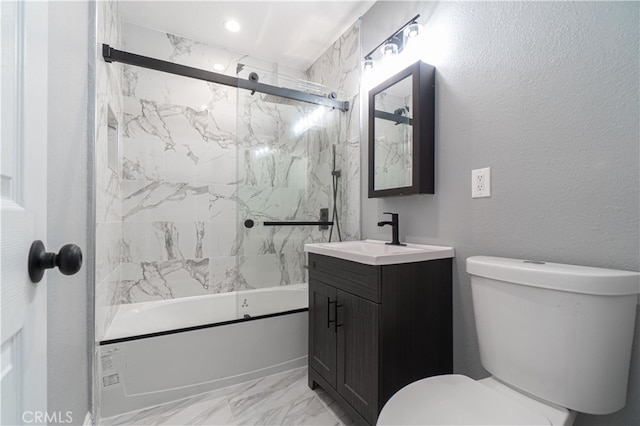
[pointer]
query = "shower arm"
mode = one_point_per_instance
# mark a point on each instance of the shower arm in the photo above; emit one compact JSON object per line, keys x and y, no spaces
{"x":113,"y":55}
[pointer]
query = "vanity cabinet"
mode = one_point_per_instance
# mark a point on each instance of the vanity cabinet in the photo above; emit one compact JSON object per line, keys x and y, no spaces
{"x":373,"y":329}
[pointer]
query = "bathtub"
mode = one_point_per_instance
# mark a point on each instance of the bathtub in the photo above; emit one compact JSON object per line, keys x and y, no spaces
{"x":161,"y":351}
{"x":149,"y":318}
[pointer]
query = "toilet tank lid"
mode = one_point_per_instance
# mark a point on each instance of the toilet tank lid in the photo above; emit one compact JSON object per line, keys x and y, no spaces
{"x":556,"y":276}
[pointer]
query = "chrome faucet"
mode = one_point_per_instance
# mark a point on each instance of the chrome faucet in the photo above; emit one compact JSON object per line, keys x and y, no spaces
{"x":395,"y":240}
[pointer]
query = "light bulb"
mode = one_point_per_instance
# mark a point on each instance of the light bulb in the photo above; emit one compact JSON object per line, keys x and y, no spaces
{"x":389,"y":49}
{"x":232,"y":25}
{"x":413,"y":30}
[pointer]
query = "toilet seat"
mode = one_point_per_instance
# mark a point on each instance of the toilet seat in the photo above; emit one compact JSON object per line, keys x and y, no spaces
{"x":455,"y":400}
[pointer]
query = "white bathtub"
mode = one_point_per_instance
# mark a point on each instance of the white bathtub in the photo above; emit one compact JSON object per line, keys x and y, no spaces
{"x":136,"y":319}
{"x":160,"y":351}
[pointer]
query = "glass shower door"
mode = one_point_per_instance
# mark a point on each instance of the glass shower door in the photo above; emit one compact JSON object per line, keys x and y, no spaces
{"x":284,"y":152}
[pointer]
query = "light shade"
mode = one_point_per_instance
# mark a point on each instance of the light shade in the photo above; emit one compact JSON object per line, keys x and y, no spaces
{"x":389,"y":49}
{"x":368,"y":63}
{"x":413,"y":30}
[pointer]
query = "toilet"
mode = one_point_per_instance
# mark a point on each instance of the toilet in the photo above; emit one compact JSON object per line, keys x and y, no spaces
{"x":555,"y":338}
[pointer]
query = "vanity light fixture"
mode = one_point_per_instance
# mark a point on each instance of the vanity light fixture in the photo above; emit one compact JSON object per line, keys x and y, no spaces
{"x":395,"y":42}
{"x":232,"y":25}
{"x":368,"y":63}
{"x":413,"y":30}
{"x":389,"y":49}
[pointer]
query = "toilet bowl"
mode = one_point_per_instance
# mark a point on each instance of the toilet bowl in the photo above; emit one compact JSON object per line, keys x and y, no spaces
{"x":556,"y":339}
{"x":459,"y":400}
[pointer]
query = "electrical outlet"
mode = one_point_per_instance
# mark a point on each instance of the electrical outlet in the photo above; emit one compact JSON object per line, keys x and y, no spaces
{"x":481,"y":183}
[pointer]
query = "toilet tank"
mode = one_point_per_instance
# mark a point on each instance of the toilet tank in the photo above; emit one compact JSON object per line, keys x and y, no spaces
{"x":562,"y":333}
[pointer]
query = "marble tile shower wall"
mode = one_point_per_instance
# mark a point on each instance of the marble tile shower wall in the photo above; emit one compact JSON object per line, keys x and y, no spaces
{"x":108,"y":192}
{"x":339,"y":67}
{"x":278,"y":180}
{"x":108,"y":189}
{"x":200,"y":158}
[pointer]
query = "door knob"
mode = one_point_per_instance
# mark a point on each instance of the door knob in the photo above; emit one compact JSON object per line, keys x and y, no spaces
{"x":68,"y":260}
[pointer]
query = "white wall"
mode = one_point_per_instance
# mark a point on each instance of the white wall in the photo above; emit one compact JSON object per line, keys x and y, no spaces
{"x":70,"y":298}
{"x":547,"y":95}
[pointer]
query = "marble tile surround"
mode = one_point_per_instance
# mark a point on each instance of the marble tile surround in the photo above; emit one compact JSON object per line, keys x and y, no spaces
{"x":281,"y":399}
{"x":339,"y":67}
{"x":199,"y":158}
{"x":108,"y":195}
{"x":108,"y":182}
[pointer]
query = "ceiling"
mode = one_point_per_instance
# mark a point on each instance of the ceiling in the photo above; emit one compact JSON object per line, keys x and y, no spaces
{"x":292,"y":33}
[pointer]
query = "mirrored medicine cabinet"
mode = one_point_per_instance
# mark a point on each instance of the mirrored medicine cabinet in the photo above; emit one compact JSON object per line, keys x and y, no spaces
{"x":401,"y":133}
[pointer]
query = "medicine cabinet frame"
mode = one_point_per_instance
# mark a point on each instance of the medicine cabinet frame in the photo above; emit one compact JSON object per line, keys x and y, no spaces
{"x":422,"y":77}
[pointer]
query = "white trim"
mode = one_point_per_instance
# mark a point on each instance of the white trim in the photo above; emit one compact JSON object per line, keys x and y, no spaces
{"x":88,"y":420}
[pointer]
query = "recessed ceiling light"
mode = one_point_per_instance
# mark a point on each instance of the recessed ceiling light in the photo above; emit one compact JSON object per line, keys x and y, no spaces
{"x":232,"y":25}
{"x":218,"y":67}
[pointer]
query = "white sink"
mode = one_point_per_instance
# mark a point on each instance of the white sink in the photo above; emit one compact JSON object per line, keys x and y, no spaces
{"x":373,"y":252}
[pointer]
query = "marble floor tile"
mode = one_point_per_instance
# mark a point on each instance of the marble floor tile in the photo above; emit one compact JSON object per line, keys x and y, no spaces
{"x":268,"y":392}
{"x":280,"y":399}
{"x":305,"y":410}
{"x":207,"y":409}
{"x":335,"y":408}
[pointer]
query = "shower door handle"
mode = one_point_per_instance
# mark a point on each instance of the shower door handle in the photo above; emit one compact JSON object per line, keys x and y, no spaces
{"x":329,"y":320}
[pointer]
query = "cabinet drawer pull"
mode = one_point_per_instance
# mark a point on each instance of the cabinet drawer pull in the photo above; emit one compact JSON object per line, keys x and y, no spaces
{"x":336,"y":320}
{"x":329,"y":320}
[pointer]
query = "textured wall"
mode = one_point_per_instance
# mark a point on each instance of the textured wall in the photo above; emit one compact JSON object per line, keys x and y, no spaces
{"x":69,"y":313}
{"x":547,"y":95}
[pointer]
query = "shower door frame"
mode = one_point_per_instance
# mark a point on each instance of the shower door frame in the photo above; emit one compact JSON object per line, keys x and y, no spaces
{"x":113,"y":55}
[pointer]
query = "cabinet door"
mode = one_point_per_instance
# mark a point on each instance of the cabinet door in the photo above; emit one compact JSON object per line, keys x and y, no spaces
{"x":357,"y":321}
{"x":322,"y":335}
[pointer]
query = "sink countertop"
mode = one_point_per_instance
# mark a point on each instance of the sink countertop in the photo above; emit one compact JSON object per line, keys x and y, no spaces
{"x":375,"y":252}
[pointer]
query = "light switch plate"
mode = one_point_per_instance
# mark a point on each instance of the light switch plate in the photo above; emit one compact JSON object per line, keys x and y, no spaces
{"x":481,"y":183}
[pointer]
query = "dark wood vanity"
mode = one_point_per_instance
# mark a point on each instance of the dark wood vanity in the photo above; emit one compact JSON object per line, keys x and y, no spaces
{"x":373,"y":329}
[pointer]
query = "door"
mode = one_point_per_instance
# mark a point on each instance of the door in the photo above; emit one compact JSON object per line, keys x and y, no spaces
{"x":357,"y":350}
{"x":23,"y":205}
{"x":322,"y":330}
